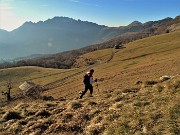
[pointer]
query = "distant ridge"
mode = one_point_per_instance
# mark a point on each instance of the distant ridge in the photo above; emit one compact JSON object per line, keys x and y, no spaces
{"x":61,"y":34}
{"x":135,"y":23}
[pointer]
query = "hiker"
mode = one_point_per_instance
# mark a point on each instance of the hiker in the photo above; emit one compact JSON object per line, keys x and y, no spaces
{"x":88,"y":80}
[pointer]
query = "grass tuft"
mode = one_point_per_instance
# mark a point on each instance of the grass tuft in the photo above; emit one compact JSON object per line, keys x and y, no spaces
{"x":158,"y":87}
{"x":95,"y":129}
{"x":151,"y":82}
{"x":9,"y":115}
{"x":175,"y":119}
{"x":43,"y":113}
{"x":75,"y":105}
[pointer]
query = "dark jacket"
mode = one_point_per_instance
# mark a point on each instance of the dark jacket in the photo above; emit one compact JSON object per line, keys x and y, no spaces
{"x":88,"y":78}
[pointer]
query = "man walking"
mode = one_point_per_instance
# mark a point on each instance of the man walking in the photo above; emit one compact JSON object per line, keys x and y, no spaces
{"x":88,"y":80}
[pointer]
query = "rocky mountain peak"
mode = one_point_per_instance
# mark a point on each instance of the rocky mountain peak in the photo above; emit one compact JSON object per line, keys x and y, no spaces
{"x":135,"y":23}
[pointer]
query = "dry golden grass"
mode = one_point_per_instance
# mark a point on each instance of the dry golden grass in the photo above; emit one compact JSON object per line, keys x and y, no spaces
{"x":41,"y":76}
{"x":146,"y":58}
{"x":96,"y":57}
{"x":118,"y":106}
{"x":146,"y":111}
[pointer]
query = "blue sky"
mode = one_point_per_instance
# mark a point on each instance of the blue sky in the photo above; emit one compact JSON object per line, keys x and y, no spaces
{"x":14,"y":13}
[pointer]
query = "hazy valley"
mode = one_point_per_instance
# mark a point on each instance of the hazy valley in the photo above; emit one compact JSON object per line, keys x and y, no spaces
{"x":61,"y":34}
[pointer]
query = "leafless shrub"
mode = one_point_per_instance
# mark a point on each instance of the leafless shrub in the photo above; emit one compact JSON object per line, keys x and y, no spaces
{"x":7,"y":93}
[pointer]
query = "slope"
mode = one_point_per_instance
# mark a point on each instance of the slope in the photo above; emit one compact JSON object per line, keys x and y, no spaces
{"x":119,"y":105}
{"x":140,"y":60}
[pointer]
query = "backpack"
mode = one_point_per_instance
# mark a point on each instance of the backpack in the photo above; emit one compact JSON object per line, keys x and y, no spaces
{"x":86,"y":78}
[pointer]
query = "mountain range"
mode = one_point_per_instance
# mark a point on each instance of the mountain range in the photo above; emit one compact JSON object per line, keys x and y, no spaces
{"x":61,"y":34}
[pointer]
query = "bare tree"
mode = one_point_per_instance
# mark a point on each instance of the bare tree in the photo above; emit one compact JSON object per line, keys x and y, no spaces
{"x":8,"y":91}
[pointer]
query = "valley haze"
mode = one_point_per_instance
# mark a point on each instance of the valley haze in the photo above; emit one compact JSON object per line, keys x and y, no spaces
{"x":60,"y":34}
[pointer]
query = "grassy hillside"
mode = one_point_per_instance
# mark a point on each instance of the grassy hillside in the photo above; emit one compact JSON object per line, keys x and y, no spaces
{"x":148,"y":109}
{"x":37,"y":75}
{"x":119,"y":105}
{"x":147,"y":58}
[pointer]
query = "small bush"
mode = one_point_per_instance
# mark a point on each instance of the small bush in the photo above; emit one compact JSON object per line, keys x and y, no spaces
{"x":173,"y":86}
{"x":120,"y":98}
{"x":75,"y":105}
{"x":116,"y":106}
{"x":92,"y":103}
{"x":138,"y":82}
{"x":141,"y":103}
{"x":11,"y":115}
{"x":97,"y":119}
{"x":133,"y":90}
{"x":30,"y":113}
{"x":62,"y":99}
{"x":48,"y":98}
{"x":175,"y":112}
{"x":95,"y":129}
{"x":22,"y":122}
{"x":22,"y":106}
{"x":95,"y":112}
{"x":174,"y":116}
{"x":125,"y":128}
{"x":156,"y":116}
{"x":108,"y":95}
{"x":176,"y":84}
{"x":150,"y":82}
{"x":68,"y":128}
{"x":43,"y":113}
{"x":118,"y":129}
{"x":112,"y":116}
{"x":158,"y":87}
{"x":67,"y":117}
{"x":15,"y":128}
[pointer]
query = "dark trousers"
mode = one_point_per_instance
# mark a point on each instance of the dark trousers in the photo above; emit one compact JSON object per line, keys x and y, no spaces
{"x":87,"y":86}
